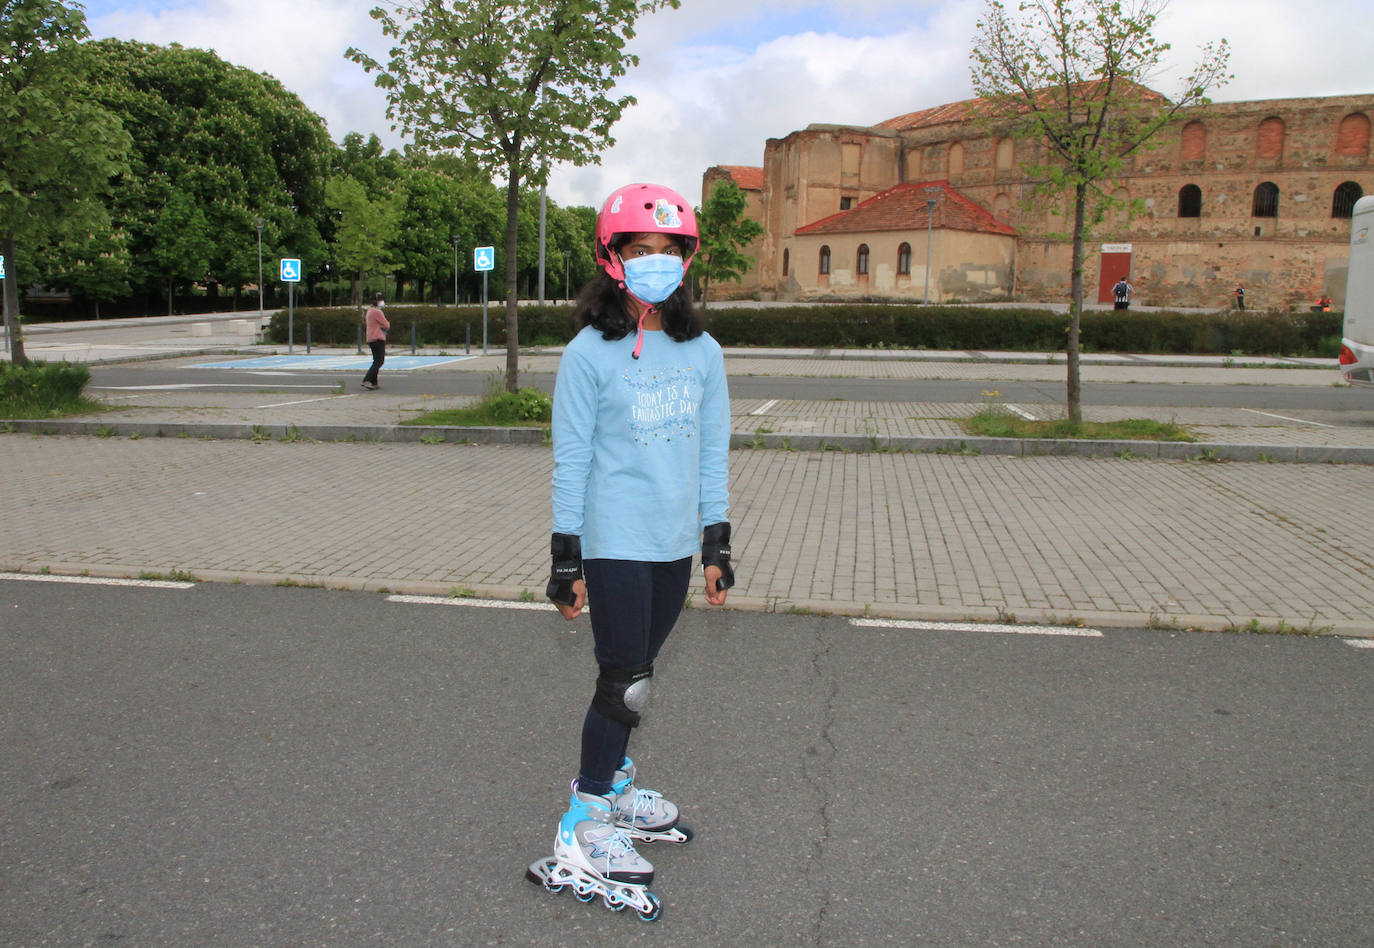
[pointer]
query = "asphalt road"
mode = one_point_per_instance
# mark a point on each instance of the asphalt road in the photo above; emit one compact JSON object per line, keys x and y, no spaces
{"x":1326,"y":399}
{"x":254,"y":765}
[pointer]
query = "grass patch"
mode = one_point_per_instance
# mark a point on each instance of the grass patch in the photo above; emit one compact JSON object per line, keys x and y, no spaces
{"x":45,"y":390}
{"x":994,"y":422}
{"x":528,"y":408}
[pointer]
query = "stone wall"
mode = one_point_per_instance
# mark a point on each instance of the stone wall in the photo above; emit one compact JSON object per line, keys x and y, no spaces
{"x":1306,"y":149}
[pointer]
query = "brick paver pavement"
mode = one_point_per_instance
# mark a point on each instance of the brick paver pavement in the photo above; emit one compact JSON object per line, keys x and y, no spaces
{"x":911,"y":535}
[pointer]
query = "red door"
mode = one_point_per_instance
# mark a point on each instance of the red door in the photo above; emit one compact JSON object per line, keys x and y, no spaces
{"x":1116,"y":263}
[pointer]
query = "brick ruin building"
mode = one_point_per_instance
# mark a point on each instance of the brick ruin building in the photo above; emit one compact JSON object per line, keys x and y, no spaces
{"x":1253,"y":193}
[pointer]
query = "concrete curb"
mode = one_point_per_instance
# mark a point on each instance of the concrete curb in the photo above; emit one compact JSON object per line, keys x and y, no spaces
{"x":778,"y":440}
{"x":491,"y":593}
{"x":278,"y":432}
{"x":1038,"y":447}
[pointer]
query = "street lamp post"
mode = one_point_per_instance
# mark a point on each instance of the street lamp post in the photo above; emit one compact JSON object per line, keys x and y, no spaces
{"x":258,"y":222}
{"x":455,"y":271}
{"x":931,"y":193}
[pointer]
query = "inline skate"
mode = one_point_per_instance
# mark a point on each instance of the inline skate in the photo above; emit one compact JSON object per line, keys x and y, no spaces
{"x":594,"y":856}
{"x":644,"y":814}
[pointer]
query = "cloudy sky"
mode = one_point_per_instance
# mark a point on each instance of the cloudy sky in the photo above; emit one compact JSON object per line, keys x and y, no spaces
{"x":718,"y":77}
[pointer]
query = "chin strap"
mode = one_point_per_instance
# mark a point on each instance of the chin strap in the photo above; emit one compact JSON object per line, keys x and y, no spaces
{"x":639,"y":337}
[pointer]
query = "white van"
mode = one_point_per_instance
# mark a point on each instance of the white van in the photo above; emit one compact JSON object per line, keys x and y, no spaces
{"x":1357,"y":346}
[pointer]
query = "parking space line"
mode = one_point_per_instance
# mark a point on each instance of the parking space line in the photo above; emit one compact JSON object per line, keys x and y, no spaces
{"x":1359,"y":643}
{"x":1301,"y":421}
{"x":765,"y":408}
{"x":921,"y":626}
{"x":468,"y":601}
{"x":307,"y":401}
{"x":97,"y":580}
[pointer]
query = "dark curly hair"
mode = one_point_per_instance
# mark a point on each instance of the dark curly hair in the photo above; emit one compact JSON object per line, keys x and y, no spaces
{"x":603,"y":306}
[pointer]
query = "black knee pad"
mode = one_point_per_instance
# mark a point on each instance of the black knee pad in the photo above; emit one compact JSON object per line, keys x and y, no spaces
{"x":621,"y":693}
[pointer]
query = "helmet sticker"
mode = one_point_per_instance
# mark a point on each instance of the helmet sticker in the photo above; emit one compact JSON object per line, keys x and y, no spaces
{"x":615,"y":207}
{"x":665,"y":213}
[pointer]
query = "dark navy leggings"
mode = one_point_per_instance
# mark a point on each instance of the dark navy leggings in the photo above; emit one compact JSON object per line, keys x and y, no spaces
{"x":633,"y":608}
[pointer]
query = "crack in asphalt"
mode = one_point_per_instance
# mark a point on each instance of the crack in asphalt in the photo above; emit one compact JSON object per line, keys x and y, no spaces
{"x":818,"y":771}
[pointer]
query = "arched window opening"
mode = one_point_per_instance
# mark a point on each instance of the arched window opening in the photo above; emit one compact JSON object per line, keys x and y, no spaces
{"x":1269,"y":143}
{"x":825,"y":260}
{"x":1352,"y":136}
{"x":1343,"y":201}
{"x":1266,"y":200}
{"x":786,"y":260}
{"x":861,"y":261}
{"x":1190,"y":201}
{"x":956,"y":161}
{"x":1193,"y":146}
{"x":1006,"y":154}
{"x":904,"y":260}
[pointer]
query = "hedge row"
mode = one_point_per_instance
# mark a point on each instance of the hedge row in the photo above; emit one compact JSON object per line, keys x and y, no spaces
{"x":873,"y":326}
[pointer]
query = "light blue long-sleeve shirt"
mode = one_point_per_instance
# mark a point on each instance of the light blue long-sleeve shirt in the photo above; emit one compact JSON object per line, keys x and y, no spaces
{"x":640,"y":447}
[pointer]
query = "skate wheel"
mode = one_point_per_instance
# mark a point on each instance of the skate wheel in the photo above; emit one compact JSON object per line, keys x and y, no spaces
{"x":686,"y":831}
{"x":588,"y":896}
{"x":613,"y":902}
{"x":654,"y":913}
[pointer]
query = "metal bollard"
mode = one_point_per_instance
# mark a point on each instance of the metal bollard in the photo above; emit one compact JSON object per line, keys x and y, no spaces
{"x":467,"y":342}
{"x":360,"y":339}
{"x":307,"y":338}
{"x":412,"y":338}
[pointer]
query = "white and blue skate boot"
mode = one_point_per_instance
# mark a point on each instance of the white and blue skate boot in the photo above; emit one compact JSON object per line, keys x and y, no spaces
{"x":593,"y":856}
{"x":644,"y":814}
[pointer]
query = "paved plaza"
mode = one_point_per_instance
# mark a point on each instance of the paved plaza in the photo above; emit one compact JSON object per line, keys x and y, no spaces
{"x":871,"y":525}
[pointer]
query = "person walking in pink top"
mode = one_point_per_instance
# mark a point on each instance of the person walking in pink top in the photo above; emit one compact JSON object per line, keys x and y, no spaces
{"x":376,"y":340}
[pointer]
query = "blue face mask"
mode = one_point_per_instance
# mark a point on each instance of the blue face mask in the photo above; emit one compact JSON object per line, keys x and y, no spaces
{"x":653,"y":278}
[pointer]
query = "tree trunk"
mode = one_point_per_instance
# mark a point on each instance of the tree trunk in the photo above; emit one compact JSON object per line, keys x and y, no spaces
{"x":1080,"y":203}
{"x":11,"y":285}
{"x":512,"y":297}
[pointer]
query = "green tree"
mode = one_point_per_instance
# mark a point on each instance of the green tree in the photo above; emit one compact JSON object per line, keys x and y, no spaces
{"x":93,"y":269}
{"x":725,"y":232}
{"x":365,"y":230}
{"x":515,"y":85}
{"x":1072,"y":74}
{"x":234,"y":143}
{"x":181,"y":243}
{"x":442,"y":200}
{"x":59,"y":150}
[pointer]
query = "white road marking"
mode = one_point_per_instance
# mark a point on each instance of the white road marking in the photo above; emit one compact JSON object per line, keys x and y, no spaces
{"x":1359,"y":643}
{"x":921,"y":626}
{"x":1018,"y":410}
{"x":97,"y":580}
{"x":1301,"y":421}
{"x":765,"y":408}
{"x":186,"y":385}
{"x":307,"y":401}
{"x":479,"y":603}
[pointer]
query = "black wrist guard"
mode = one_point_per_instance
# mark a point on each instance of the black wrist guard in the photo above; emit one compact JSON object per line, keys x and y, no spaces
{"x":715,"y":551}
{"x":567,"y":568}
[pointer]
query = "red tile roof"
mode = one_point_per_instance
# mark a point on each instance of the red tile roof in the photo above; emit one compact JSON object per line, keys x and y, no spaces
{"x":747,"y":177}
{"x":904,"y":208}
{"x":959,"y":112}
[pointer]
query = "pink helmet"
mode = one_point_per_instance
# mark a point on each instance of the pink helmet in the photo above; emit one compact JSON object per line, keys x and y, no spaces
{"x":641,"y":209}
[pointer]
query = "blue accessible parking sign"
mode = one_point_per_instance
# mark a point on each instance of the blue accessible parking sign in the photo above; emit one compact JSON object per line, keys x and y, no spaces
{"x":483,"y":258}
{"x":290,"y":270}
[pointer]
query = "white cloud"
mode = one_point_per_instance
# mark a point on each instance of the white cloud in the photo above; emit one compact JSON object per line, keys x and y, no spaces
{"x":719,"y":77}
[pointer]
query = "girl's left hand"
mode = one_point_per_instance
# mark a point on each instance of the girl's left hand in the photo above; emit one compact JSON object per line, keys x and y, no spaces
{"x":714,"y":595}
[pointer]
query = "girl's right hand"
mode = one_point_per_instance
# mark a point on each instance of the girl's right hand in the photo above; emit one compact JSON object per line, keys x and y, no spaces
{"x":579,"y":601}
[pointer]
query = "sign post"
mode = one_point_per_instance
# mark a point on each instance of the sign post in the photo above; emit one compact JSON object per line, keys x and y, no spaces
{"x":4,"y":303}
{"x":483,"y":259}
{"x":290,"y":275}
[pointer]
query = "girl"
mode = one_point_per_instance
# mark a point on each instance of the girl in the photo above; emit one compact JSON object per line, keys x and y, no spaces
{"x":641,"y":433}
